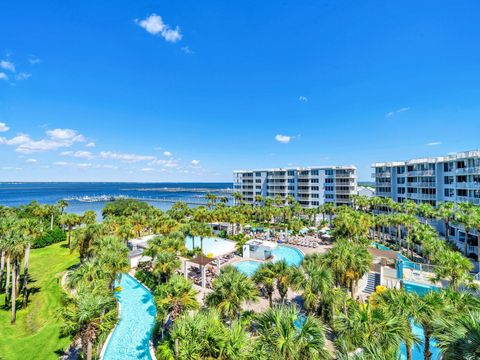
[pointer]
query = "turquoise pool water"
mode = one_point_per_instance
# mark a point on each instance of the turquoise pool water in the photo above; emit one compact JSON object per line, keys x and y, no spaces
{"x":248,"y":267}
{"x":420,"y":289}
{"x":291,"y":255}
{"x":131,"y":337}
{"x":407,"y":263}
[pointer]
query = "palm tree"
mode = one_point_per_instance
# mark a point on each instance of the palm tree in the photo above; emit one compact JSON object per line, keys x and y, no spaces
{"x":465,"y":216}
{"x":451,"y":265}
{"x":284,"y":334}
{"x":426,"y":211}
{"x":367,"y":325}
{"x":284,"y":275}
{"x":230,"y":290}
{"x":31,"y":229}
{"x":459,"y":336}
{"x":51,"y":210}
{"x":315,"y":280}
{"x":476,"y":217}
{"x":16,"y":250}
{"x":201,"y":230}
{"x":176,"y":296}
{"x":429,"y":307}
{"x":70,"y":220}
{"x":404,"y":305}
{"x":446,"y":212}
{"x":87,"y":315}
{"x":265,"y":278}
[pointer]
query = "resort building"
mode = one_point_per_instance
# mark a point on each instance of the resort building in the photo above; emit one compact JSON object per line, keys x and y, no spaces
{"x":310,"y":186}
{"x":453,"y":178}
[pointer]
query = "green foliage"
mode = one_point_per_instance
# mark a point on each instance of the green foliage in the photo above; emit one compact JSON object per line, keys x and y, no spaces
{"x":124,"y":207}
{"x":49,"y":237}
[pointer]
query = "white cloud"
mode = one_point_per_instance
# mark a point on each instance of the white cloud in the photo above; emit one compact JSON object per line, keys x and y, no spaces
{"x":147,"y":169}
{"x":31,"y":160}
{"x":154,"y":25}
{"x":60,"y":163}
{"x":65,"y":134}
{"x":284,"y":139}
{"x":187,"y":50}
{"x":23,"y":76}
{"x":3,"y":76}
{"x":170,"y":163}
{"x":58,"y":138}
{"x":3,"y":127}
{"x":433,"y":143}
{"x":90,"y":144}
{"x":84,"y":165}
{"x":398,"y":111}
{"x":7,"y":65}
{"x":302,"y":98}
{"x":195,"y":162}
{"x":125,"y":157}
{"x":167,"y":153}
{"x":78,"y":154}
{"x":33,"y":60}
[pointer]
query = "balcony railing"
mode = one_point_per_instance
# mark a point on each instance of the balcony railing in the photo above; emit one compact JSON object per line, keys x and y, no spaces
{"x":468,"y":185}
{"x":421,"y":173}
{"x":382,"y":174}
{"x":468,"y":170}
{"x":475,"y":201}
{"x":422,"y":184}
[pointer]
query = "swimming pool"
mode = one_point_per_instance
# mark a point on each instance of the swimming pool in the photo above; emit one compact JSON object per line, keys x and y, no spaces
{"x":131,"y":337}
{"x":420,"y":289}
{"x":211,"y":245}
{"x":291,"y":255}
{"x":248,"y":267}
{"x":407,"y":263}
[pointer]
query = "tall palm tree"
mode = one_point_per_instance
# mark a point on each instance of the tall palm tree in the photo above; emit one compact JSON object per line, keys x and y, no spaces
{"x":265,"y":278}
{"x":70,"y":221}
{"x":87,"y":315}
{"x":451,"y":265}
{"x":283,"y":334}
{"x":429,"y":308}
{"x":31,"y":230}
{"x":446,"y":213}
{"x":230,"y":290}
{"x":404,"y":305}
{"x":465,"y":216}
{"x":284,"y":275}
{"x":426,"y":211}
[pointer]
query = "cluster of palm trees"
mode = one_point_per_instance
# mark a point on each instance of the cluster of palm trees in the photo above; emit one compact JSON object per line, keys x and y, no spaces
{"x":19,"y":230}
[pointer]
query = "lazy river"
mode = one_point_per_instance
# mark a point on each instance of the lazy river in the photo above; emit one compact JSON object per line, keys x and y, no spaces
{"x":131,"y":337}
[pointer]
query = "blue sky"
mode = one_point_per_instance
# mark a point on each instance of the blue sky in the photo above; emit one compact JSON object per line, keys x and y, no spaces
{"x":191,"y":90}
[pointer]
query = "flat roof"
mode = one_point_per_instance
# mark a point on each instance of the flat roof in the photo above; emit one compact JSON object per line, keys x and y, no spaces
{"x":341,"y":167}
{"x":265,"y":243}
{"x":449,"y":157}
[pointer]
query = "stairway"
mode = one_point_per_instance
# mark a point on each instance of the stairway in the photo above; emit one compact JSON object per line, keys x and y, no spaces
{"x":372,"y":282}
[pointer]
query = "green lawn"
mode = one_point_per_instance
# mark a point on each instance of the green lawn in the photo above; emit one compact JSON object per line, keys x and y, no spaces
{"x":36,"y":333}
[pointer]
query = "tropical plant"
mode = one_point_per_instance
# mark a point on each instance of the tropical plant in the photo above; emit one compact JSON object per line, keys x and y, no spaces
{"x":451,"y":265}
{"x":176,"y":296}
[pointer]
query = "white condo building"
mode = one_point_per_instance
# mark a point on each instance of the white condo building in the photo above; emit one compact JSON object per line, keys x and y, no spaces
{"x":453,"y":178}
{"x":310,"y":186}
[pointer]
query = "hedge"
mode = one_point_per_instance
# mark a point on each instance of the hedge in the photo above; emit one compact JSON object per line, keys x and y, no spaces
{"x":50,"y":237}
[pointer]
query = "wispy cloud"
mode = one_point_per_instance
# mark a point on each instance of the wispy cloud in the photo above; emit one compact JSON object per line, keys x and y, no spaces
{"x":195,"y":162}
{"x":302,"y":98}
{"x":78,"y":154}
{"x":7,"y":65}
{"x":155,"y":25}
{"x":125,"y":157}
{"x":187,"y":50}
{"x":23,"y":76}
{"x":398,"y":111}
{"x":284,"y":139}
{"x":433,"y":143}
{"x":167,"y":154}
{"x":31,"y":160}
{"x":3,"y":127}
{"x":3,"y":76}
{"x":90,"y":144}
{"x":34,"y":60}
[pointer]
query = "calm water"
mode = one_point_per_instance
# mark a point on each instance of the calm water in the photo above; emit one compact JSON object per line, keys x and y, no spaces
{"x":15,"y":194}
{"x":131,"y":337}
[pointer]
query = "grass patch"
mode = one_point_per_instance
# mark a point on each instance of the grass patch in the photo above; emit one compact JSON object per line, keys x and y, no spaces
{"x":36,"y":334}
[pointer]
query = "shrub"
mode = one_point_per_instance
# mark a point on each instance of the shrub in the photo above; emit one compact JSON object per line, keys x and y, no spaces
{"x":49,"y":237}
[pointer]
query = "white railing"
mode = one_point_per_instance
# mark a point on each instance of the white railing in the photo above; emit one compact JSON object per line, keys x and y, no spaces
{"x":468,"y":170}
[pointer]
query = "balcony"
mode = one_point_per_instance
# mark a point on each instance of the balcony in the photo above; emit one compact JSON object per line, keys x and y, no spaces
{"x":468,"y":185}
{"x":382,"y":174}
{"x":422,"y":184}
{"x":421,"y":173}
{"x":468,"y":170}
{"x":475,"y":201}
{"x":422,"y":196}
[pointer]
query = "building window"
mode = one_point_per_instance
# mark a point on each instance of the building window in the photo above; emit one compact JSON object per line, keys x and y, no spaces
{"x":314,"y":172}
